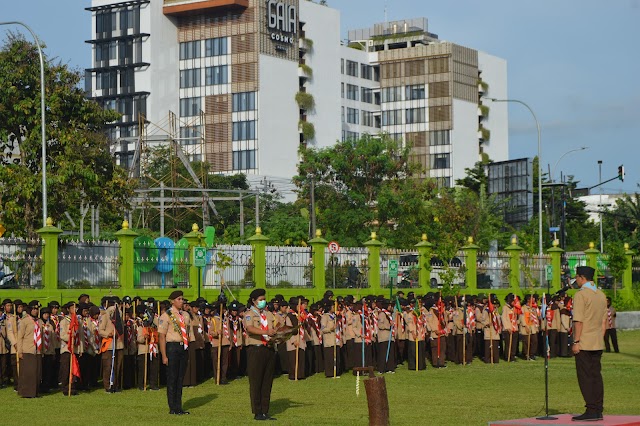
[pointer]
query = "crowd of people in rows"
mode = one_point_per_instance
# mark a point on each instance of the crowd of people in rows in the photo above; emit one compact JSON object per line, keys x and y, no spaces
{"x":72,"y":347}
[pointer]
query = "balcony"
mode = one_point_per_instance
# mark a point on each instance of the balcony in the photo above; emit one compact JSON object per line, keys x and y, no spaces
{"x":190,"y":7}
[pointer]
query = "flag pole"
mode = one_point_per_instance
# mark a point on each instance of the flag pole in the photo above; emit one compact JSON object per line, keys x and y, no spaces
{"x":146,"y":342}
{"x":219,"y":344}
{"x":491,"y":327}
{"x":464,"y":331}
{"x":417,"y":333}
{"x":15,"y":332}
{"x":71,"y":353}
{"x":298,"y":345}
{"x":335,"y":346}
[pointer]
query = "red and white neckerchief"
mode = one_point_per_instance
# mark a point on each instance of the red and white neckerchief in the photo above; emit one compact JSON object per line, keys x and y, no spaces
{"x":86,"y":333}
{"x":264,"y":326}
{"x":609,"y":318}
{"x":153,"y":345}
{"x":130,"y":333}
{"x":235,"y":332}
{"x":37,"y":337}
{"x":374,"y":318}
{"x":535,"y":316}
{"x":45,"y":337}
{"x":471,"y":319}
{"x":317,"y":327}
{"x":549,"y":314}
{"x":338,"y":325}
{"x":96,"y":335}
{"x":514,"y":322}
{"x":225,"y":327}
{"x":391,"y":325}
{"x":200,"y":325}
{"x":56,"y":323}
{"x":183,"y":330}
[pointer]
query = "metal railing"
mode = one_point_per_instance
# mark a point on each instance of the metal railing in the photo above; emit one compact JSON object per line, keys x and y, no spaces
{"x":407,"y":268}
{"x":21,"y":263}
{"x":237,"y":274}
{"x":289,"y":267}
{"x":533,"y":270}
{"x":348,"y":268}
{"x":92,"y":264}
{"x":161,"y":264}
{"x":493,"y":270}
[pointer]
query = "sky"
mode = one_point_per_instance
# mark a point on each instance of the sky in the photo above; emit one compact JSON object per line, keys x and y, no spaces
{"x":576,"y":63}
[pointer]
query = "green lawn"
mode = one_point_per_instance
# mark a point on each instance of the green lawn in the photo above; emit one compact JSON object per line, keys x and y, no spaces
{"x":471,"y":395}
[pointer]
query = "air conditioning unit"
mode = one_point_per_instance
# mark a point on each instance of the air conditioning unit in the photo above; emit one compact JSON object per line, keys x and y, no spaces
{"x":370,"y":43}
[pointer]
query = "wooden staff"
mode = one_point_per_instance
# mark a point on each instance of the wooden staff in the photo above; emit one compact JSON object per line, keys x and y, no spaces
{"x":418,"y":335}
{"x":491,"y":314}
{"x":124,"y":325}
{"x":335,"y":347}
{"x":298,"y":345}
{"x":158,"y":349}
{"x":146,"y":342}
{"x":71,"y":353}
{"x":15,"y":333}
{"x":219,"y":344}
{"x":464,"y":332}
{"x":510,"y":342}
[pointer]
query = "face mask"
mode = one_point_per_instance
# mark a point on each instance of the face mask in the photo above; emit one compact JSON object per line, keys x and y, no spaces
{"x":262,"y":304}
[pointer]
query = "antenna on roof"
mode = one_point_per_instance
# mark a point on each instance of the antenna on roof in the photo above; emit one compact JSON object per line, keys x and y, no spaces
{"x":386,"y":22}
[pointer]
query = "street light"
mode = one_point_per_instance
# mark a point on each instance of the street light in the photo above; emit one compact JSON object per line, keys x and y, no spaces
{"x":539,"y":168}
{"x":44,"y":138}
{"x":553,"y":170}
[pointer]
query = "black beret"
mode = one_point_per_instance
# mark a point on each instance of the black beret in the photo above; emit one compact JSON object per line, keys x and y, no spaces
{"x":18,"y":302}
{"x":5,"y":301}
{"x":34,"y":304}
{"x":234,"y":306}
{"x":586,"y":271}
{"x":175,"y":294}
{"x":94,"y":310}
{"x":45,"y":311}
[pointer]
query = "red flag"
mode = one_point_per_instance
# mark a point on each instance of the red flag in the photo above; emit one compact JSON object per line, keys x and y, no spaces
{"x":491,"y":307}
{"x":75,"y":366}
{"x":73,"y":329}
{"x":517,"y":307}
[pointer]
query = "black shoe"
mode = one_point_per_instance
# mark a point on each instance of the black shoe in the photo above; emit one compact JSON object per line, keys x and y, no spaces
{"x":268,"y":417}
{"x":224,"y":382}
{"x":587,"y":417}
{"x":174,"y":412}
{"x":155,"y":388}
{"x":259,"y":417}
{"x":183,"y":413}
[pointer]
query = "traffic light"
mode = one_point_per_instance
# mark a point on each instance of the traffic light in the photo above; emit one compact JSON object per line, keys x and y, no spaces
{"x":621,"y":173}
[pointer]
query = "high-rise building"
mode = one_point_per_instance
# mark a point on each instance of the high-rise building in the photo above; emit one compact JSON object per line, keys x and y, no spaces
{"x":242,"y":83}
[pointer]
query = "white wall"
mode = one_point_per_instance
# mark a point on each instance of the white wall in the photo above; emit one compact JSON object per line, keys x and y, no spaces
{"x":361,"y":57}
{"x":278,"y":134}
{"x":494,"y":73}
{"x":322,"y":25}
{"x":464,"y":138}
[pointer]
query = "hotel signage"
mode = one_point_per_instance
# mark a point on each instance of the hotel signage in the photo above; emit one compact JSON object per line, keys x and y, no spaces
{"x":282,"y":22}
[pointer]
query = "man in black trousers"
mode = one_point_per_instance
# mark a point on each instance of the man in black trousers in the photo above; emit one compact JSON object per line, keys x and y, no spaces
{"x":174,"y":345}
{"x":589,"y":313}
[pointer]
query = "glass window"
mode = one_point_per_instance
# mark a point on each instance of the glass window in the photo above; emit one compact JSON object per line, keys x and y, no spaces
{"x":415,"y":92}
{"x":341,"y":66}
{"x":352,"y":68}
{"x":393,"y":117}
{"x":190,"y":78}
{"x":353,"y":116}
{"x":415,"y":115}
{"x":190,"y":135}
{"x":368,"y":119}
{"x":352,"y":92}
{"x":440,"y":161}
{"x":215,"y":46}
{"x":439,"y":137}
{"x":190,"y":50}
{"x":244,"y":130}
{"x":349,"y":136}
{"x":190,"y":107}
{"x":392,"y":94}
{"x":244,"y":160}
{"x":245,"y":101}
{"x":366,"y":71}
{"x":216,"y":75}
{"x":367,"y":95}
{"x":342,"y":89}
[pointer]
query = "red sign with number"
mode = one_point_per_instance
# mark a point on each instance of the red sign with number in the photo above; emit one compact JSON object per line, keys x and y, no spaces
{"x":334,"y":247}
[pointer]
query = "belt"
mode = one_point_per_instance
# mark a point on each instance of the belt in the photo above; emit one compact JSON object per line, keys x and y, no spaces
{"x":175,"y":343}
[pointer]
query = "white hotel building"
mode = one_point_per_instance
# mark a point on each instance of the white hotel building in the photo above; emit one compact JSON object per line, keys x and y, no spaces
{"x":227,"y":79}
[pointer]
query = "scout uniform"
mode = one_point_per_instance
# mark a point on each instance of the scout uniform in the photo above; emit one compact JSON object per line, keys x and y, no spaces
{"x":610,"y":331}
{"x":29,"y":350}
{"x":217,"y":329}
{"x":386,"y":350}
{"x":528,"y":322}
{"x":509,"y":332}
{"x":49,"y":371}
{"x":65,"y":350}
{"x":110,"y":337}
{"x":437,"y":337}
{"x":148,"y":350}
{"x":330,"y":344}
{"x":491,"y":324}
{"x":564,"y":327}
{"x":415,"y":336}
{"x":296,"y":343}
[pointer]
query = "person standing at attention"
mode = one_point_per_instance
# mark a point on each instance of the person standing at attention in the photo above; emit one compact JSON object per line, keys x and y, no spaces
{"x":589,"y":315}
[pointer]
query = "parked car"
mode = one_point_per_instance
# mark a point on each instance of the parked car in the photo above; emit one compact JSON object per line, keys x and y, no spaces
{"x":408,"y":267}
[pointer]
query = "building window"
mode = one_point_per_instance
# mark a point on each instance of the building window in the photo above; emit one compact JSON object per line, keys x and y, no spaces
{"x":367,"y":95}
{"x":352,"y":92}
{"x":352,"y":116}
{"x":342,"y":114}
{"x":392,"y":94}
{"x":414,"y":68}
{"x":190,"y":50}
{"x":349,"y":136}
{"x":190,"y":135}
{"x":190,"y":107}
{"x":245,"y":101}
{"x":391,"y":118}
{"x":440,"y":161}
{"x":415,"y":92}
{"x":106,"y":51}
{"x":368,"y":119}
{"x":439,"y":137}
{"x":244,"y":160}
{"x":366,"y":71}
{"x":106,"y":21}
{"x":106,"y":80}
{"x":395,"y":136}
{"x":190,"y":78}
{"x":342,"y":90}
{"x":439,"y":90}
{"x":126,"y":19}
{"x":215,"y":46}
{"x":352,"y":68}
{"x":244,"y":130}
{"x":443,"y":182}
{"x":341,"y":66}
{"x":216,"y":75}
{"x":415,"y":115}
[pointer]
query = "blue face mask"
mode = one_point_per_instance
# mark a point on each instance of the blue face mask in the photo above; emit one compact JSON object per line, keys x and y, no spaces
{"x":262,"y":304}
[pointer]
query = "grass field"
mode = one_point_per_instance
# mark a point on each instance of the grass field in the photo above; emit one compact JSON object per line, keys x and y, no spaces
{"x":471,"y":395}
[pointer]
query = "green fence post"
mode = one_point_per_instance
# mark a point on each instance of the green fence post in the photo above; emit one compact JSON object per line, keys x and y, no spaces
{"x":556,"y":267}
{"x":195,"y":238}
{"x":471,"y":260}
{"x":49,"y":235}
{"x":373,"y":246}
{"x":259,"y":244}
{"x":318,"y":246}
{"x":125,"y":238}
{"x":514,"y":251}
{"x":424,"y":262}
{"x":592,"y":260}
{"x":627,"y":277}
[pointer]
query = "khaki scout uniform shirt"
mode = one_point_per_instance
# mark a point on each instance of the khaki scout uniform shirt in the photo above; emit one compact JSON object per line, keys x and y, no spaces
{"x":12,"y":323}
{"x":106,"y":328}
{"x":458,"y":323}
{"x":3,"y":337}
{"x":26,"y":341}
{"x":167,"y":327}
{"x":328,"y":327}
{"x":64,"y":337}
{"x":252,"y":318}
{"x":490,"y":332}
{"x":590,"y":308}
{"x":215,"y":331}
{"x":508,"y":313}
{"x":613,"y":318}
{"x":294,"y":341}
{"x":48,"y":328}
{"x":384,"y":327}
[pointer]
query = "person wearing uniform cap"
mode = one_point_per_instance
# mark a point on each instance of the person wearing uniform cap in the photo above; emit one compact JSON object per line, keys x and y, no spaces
{"x":174,"y":345}
{"x":49,"y":372}
{"x":29,"y":350}
{"x":386,"y":332}
{"x":331,"y":346}
{"x":589,"y":319}
{"x":261,"y":358}
{"x":111,"y":329}
{"x":235,"y":349}
{"x":12,"y":322}
{"x":219,"y":336}
{"x":5,"y":344}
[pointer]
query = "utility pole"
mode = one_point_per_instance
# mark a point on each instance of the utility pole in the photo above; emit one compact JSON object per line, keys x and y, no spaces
{"x":600,"y":205}
{"x":313,"y":208}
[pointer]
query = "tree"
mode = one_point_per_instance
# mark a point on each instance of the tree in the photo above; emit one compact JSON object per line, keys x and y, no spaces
{"x":622,"y":223}
{"x":476,"y":177}
{"x":80,"y":169}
